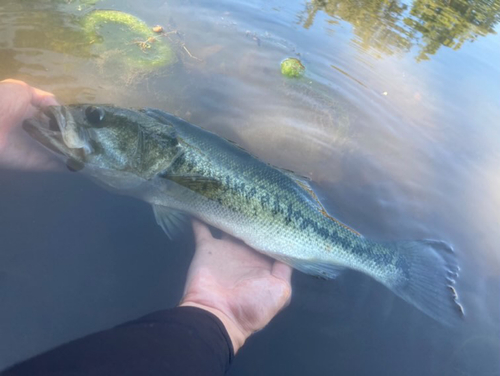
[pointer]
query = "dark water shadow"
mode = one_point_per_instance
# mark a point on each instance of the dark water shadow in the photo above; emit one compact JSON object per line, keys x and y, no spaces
{"x":76,"y":259}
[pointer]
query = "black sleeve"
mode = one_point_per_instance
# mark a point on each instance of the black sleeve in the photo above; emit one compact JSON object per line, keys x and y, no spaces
{"x":181,"y":341}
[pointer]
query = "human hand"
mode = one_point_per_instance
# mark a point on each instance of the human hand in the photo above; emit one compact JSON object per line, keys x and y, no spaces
{"x":19,"y":101}
{"x":243,"y":288}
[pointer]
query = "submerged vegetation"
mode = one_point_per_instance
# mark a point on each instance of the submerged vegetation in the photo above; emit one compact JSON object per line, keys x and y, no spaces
{"x":390,"y":27}
{"x":132,"y":39}
{"x":292,"y":67}
{"x":118,"y":44}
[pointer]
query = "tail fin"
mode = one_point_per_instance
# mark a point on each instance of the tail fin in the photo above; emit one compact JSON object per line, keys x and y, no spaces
{"x":430,"y":271}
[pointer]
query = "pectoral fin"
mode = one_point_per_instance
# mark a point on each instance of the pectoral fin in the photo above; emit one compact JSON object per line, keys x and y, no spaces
{"x":203,"y":185}
{"x":173,"y":222}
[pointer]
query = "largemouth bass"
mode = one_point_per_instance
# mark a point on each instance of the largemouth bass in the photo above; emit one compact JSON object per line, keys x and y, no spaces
{"x":183,"y":170}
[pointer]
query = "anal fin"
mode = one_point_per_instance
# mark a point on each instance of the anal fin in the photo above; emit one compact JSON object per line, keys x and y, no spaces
{"x":320,"y":269}
{"x":173,"y":222}
{"x":317,"y":268}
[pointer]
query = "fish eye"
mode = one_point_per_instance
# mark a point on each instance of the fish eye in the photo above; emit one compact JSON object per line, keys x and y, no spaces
{"x":94,"y":114}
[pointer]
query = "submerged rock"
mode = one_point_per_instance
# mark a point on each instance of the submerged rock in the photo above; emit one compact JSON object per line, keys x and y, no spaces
{"x":292,"y":67}
{"x":124,"y":39}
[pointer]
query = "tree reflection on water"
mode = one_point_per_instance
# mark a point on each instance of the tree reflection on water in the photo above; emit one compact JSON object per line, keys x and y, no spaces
{"x":390,"y":27}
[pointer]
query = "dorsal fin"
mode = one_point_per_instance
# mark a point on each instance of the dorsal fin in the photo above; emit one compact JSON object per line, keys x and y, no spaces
{"x":303,"y":182}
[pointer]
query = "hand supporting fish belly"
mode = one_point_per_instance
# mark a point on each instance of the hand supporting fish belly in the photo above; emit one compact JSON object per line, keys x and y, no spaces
{"x":183,"y":170}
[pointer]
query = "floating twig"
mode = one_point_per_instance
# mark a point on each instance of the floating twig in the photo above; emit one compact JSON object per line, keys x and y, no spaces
{"x":189,"y":53}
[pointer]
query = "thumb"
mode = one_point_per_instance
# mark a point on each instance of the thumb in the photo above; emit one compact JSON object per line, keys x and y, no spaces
{"x":282,"y":271}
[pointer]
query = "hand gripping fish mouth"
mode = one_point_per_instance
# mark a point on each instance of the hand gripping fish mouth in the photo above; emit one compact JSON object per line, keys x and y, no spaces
{"x":55,"y":128}
{"x":106,"y":138}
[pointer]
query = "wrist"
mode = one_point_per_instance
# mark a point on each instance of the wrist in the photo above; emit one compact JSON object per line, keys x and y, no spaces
{"x":237,"y":335}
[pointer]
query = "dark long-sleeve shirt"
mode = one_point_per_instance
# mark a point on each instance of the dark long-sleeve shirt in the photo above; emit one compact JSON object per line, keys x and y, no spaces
{"x":179,"y":341}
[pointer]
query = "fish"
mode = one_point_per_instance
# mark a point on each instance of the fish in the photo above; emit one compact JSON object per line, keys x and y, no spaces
{"x":185,"y":171}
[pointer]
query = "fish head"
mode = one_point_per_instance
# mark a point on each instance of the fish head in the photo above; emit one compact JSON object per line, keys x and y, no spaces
{"x":99,"y":137}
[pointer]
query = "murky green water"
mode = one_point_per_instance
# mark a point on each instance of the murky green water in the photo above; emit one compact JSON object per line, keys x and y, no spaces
{"x":396,"y":121}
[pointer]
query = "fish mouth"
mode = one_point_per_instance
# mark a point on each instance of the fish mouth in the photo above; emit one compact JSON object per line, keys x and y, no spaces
{"x":55,"y":128}
{"x":45,"y":127}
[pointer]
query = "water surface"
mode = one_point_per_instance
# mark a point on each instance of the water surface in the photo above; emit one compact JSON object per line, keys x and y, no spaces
{"x":396,"y":121}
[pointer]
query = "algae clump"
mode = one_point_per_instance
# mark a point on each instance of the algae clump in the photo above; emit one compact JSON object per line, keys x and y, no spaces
{"x":292,"y":67}
{"x":123,"y":38}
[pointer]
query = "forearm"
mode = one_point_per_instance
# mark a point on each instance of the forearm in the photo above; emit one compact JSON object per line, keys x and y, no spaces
{"x":184,"y":340}
{"x":237,"y":335}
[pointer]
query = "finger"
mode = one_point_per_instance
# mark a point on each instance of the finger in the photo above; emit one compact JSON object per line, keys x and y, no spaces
{"x":201,"y":231}
{"x":12,"y":81}
{"x":40,"y":98}
{"x":282,"y":271}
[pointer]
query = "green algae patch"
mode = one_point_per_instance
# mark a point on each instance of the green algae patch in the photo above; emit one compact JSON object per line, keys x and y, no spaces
{"x":126,"y":40}
{"x":292,"y":67}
